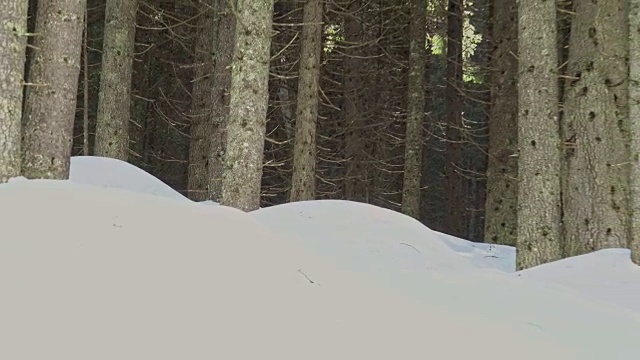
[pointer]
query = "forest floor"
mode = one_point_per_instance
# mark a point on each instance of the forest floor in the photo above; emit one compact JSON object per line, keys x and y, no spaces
{"x":114,"y":264}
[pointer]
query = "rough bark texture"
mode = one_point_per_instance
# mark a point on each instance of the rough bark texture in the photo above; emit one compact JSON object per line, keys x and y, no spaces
{"x":596,"y":211}
{"x":502,"y":165}
{"x":248,"y":105}
{"x":201,"y":116}
{"x":355,"y":187}
{"x":303,"y":182}
{"x":50,"y":102}
{"x":415,"y":116}
{"x":539,"y":198}
{"x":634,"y":116}
{"x":112,"y":126}
{"x":13,"y":41}
{"x":453,"y":98}
{"x":220,"y":99}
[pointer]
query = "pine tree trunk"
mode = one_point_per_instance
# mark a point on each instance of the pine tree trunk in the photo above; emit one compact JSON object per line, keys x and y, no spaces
{"x":220,"y":99}
{"x":539,"y":201}
{"x":634,"y":116}
{"x":502,"y":166}
{"x":355,"y":187}
{"x":303,"y":182}
{"x":50,"y":103}
{"x":201,"y":116}
{"x":248,"y":105}
{"x":114,"y":99}
{"x":453,"y":93}
{"x":416,"y":104}
{"x":596,"y":211}
{"x":13,"y":41}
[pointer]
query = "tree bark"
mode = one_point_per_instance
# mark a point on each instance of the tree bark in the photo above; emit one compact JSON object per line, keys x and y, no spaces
{"x":416,"y":104}
{"x":13,"y":42}
{"x":539,"y":163}
{"x":50,"y":102}
{"x":596,"y":210}
{"x":220,"y":99}
{"x":634,"y":117}
{"x":355,"y":187}
{"x":114,"y":99}
{"x":248,"y":105}
{"x":453,"y":94}
{"x":303,"y":182}
{"x":201,"y":115}
{"x":502,"y":165}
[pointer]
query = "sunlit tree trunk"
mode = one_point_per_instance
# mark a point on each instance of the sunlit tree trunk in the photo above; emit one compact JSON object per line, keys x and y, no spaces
{"x":50,"y":103}
{"x":539,"y":198}
{"x":303,"y":182}
{"x":13,"y":41}
{"x":416,"y":105}
{"x":112,"y":126}
{"x":248,"y":105}
{"x":634,"y":117}
{"x":502,"y":166}
{"x":596,"y":210}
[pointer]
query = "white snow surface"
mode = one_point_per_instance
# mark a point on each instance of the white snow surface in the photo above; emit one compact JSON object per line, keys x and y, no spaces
{"x":118,"y":174}
{"x":118,"y":270}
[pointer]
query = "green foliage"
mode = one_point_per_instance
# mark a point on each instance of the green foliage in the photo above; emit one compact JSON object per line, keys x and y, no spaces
{"x":333,"y":35}
{"x":470,"y":41}
{"x":438,"y":44}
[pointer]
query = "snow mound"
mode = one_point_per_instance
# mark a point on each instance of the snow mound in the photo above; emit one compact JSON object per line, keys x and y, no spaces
{"x":117,"y":174}
{"x":606,"y":275}
{"x":487,"y":256}
{"x":375,"y":243}
{"x":109,"y":274}
{"x":361,"y":236}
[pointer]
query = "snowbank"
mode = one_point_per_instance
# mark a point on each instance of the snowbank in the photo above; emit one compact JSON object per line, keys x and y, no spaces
{"x":95,"y":272}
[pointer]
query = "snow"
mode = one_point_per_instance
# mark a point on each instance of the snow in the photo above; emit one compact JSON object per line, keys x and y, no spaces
{"x":117,"y":174}
{"x":114,"y":264}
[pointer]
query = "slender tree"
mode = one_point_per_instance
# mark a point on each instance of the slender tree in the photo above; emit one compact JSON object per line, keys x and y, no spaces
{"x":303,"y":182}
{"x":248,"y":105}
{"x":634,"y":117}
{"x":50,"y":102}
{"x":502,"y":167}
{"x":416,"y":105}
{"x":13,"y":41}
{"x":220,"y":98}
{"x":539,"y":201}
{"x":453,"y":98}
{"x":355,"y":186}
{"x":596,"y":212}
{"x":201,"y":116}
{"x":112,"y":127}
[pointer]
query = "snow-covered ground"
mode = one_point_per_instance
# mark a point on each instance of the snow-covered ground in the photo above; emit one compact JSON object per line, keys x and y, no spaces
{"x":115,"y":264}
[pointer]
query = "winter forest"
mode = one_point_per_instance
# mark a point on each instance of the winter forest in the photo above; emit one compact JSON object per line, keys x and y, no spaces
{"x":498,"y":121}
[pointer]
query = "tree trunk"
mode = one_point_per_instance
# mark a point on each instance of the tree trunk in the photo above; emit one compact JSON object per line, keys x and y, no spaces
{"x":502,"y":167}
{"x":453,"y":93}
{"x":596,"y":211}
{"x":248,"y":105}
{"x":355,"y":187}
{"x":201,"y":116}
{"x":114,"y":99}
{"x":539,"y":217}
{"x":220,"y":99}
{"x":50,"y":103}
{"x":634,"y":116}
{"x":13,"y":42}
{"x":303,"y":182}
{"x":416,"y":105}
